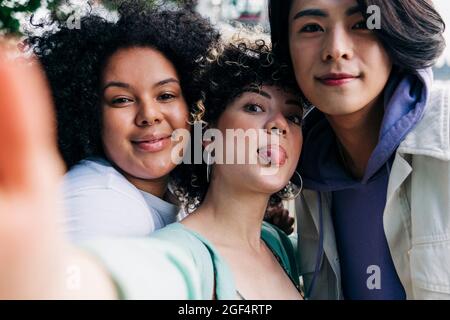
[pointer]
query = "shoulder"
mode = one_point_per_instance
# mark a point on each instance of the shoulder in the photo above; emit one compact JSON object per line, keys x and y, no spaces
{"x":437,"y":107}
{"x":440,"y":93}
{"x":431,"y":136}
{"x":96,"y":175}
{"x":282,"y":245}
{"x":204,"y":257}
{"x":149,"y":269}
{"x":270,"y":232}
{"x":99,"y":201}
{"x":181,"y":237}
{"x":276,"y":238}
{"x":93,"y":172}
{"x":439,"y":102}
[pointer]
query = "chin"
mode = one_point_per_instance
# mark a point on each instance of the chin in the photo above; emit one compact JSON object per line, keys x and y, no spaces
{"x":152,"y":171}
{"x":270,"y":185}
{"x":338,"y":106}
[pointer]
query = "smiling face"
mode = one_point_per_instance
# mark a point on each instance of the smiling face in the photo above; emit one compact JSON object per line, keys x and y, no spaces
{"x":340,"y":65}
{"x":142,"y":106}
{"x":271,"y":110}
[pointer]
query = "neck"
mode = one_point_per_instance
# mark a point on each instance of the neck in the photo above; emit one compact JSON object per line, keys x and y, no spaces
{"x":358,"y":134}
{"x":228,"y":210}
{"x":156,"y":187}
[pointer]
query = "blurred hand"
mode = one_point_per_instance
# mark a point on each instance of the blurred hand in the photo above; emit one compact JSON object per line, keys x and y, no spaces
{"x":278,"y":216}
{"x":30,"y":169}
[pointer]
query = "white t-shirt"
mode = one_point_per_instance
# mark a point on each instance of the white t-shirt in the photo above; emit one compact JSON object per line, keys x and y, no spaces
{"x":100,"y":202}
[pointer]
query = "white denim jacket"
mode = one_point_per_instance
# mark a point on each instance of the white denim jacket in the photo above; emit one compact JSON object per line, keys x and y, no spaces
{"x":416,"y":216}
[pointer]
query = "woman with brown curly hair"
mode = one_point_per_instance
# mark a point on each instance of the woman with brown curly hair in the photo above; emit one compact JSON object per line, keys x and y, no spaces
{"x":121,"y":89}
{"x":221,"y":251}
{"x":245,"y":89}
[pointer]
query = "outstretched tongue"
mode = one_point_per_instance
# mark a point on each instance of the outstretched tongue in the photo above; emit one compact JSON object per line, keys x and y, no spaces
{"x":272,"y":155}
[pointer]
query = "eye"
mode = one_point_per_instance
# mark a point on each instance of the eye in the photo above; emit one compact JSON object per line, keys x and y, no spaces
{"x":311,"y":28}
{"x":362,"y":25}
{"x":166,"y":97}
{"x":296,"y":119}
{"x":253,"y":108}
{"x":121,"y":101}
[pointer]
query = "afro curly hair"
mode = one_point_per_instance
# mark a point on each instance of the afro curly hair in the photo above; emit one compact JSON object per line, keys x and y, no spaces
{"x":74,"y":59}
{"x":229,"y":71}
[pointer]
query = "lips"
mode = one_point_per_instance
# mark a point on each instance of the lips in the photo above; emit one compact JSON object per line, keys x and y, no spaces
{"x":152,"y":143}
{"x":336,"y":79}
{"x":272,"y":154}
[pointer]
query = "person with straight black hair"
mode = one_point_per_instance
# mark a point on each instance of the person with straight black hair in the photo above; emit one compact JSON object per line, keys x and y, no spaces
{"x":374,"y":218}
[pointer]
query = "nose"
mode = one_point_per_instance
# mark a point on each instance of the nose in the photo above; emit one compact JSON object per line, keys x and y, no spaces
{"x":149,"y":114}
{"x":338,"y":45}
{"x":277,"y":125}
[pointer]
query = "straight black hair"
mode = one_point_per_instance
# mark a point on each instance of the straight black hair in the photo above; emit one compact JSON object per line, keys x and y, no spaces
{"x":411,"y":30}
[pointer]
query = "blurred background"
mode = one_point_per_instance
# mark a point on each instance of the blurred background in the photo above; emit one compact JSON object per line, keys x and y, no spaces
{"x":254,"y":12}
{"x":226,"y":14}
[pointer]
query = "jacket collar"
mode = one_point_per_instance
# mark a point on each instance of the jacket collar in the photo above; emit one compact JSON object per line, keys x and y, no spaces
{"x":431,"y":136}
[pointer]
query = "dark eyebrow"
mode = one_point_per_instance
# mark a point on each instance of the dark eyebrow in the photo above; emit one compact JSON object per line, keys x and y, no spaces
{"x":320,"y":13}
{"x":353,"y":10}
{"x":116,"y":84}
{"x":311,"y":12}
{"x":166,"y":81}
{"x":127,"y":86}
{"x":260,"y":92}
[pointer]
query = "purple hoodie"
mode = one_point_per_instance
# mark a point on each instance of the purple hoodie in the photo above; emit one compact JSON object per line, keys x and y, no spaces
{"x":358,"y":205}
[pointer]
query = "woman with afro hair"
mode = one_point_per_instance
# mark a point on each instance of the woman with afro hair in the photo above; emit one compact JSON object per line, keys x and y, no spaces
{"x":223,"y":250}
{"x":121,"y":89}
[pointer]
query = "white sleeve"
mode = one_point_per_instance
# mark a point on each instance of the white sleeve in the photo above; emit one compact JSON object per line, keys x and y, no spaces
{"x":105,"y":212}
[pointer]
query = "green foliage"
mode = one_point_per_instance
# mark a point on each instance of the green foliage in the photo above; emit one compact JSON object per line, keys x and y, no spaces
{"x":9,"y":23}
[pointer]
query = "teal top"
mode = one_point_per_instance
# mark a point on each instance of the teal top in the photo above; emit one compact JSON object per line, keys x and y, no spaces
{"x":178,"y":263}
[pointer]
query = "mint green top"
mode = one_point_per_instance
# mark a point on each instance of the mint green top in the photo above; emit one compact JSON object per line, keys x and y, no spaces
{"x":178,"y":263}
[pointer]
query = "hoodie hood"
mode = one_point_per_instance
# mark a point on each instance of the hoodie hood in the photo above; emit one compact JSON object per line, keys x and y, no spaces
{"x":405,"y":96}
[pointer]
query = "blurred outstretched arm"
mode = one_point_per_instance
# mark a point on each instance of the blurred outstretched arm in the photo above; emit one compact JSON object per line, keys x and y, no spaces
{"x":34,"y":255}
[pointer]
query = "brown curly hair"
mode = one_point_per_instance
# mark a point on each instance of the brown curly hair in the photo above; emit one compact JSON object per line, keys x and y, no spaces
{"x":74,"y":59}
{"x":227,"y":72}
